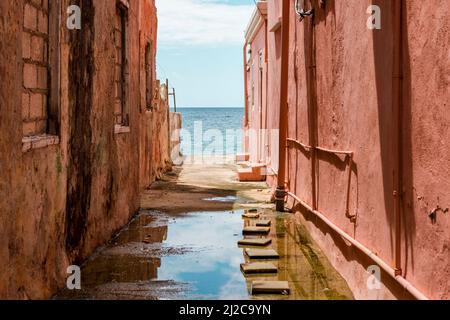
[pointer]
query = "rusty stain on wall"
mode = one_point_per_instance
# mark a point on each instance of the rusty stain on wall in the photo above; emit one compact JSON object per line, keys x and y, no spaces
{"x":63,"y":193}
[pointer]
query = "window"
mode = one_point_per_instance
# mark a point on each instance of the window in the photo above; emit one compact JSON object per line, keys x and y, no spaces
{"x":261,"y":60}
{"x":121,"y":71}
{"x":149,"y":58}
{"x":40,"y":56}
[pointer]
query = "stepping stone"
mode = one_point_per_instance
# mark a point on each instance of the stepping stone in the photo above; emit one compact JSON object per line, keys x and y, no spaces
{"x":262,"y":253}
{"x":263,"y":223}
{"x":277,"y":287}
{"x":251,"y":215}
{"x":256,"y":230}
{"x":258,"y":267}
{"x":252,"y":210}
{"x":255,"y":242}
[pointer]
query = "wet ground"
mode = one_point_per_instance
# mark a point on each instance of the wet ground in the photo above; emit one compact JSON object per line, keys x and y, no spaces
{"x":173,"y":254}
{"x":197,"y":257}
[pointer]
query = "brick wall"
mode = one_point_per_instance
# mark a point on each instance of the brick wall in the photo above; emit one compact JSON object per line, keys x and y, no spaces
{"x":35,"y":67}
{"x":65,"y":193}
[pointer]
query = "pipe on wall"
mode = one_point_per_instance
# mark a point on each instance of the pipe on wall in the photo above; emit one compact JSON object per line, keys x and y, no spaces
{"x":397,"y":103}
{"x":348,"y":155}
{"x":280,"y":192}
{"x":245,"y":87}
{"x":266,"y":118}
{"x":400,"y":280}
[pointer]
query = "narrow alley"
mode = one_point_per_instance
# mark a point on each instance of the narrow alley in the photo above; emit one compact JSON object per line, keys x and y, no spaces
{"x":224,"y":150}
{"x":184,"y":245}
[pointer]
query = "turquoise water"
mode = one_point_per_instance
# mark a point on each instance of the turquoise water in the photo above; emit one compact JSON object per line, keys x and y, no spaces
{"x":211,"y":131}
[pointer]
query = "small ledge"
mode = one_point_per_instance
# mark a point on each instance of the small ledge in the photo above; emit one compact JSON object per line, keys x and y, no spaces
{"x":276,"y":26}
{"x":38,"y":142}
{"x":119,"y":129}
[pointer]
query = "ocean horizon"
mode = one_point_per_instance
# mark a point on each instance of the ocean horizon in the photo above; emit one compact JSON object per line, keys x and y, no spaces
{"x":211,"y":130}
{"x":209,"y":107}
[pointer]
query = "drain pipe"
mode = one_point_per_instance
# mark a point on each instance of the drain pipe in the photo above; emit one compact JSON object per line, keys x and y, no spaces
{"x":245,"y":86}
{"x":280,"y":192}
{"x":397,"y":102}
{"x":401,"y":281}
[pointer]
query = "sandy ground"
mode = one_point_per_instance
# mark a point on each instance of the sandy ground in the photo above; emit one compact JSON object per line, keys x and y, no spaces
{"x":193,"y":187}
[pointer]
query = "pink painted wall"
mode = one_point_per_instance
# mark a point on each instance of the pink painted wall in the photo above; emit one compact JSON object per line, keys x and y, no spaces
{"x":256,"y":77}
{"x":347,"y":104}
{"x":274,"y":69}
{"x":427,"y":96}
{"x":262,"y":141}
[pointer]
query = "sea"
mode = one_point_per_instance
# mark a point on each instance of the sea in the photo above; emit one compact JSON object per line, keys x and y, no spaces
{"x":211,"y":131}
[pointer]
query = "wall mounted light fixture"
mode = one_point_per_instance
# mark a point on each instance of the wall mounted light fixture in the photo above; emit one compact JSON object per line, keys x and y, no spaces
{"x":301,"y":11}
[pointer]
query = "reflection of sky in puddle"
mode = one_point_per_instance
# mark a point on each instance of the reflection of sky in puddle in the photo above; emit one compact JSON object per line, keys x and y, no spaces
{"x":212,"y":268}
{"x":223,"y":199}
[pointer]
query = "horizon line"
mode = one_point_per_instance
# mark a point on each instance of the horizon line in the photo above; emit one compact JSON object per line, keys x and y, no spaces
{"x":204,"y":107}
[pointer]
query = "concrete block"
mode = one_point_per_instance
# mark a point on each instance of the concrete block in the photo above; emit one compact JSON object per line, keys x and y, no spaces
{"x":251,"y":215}
{"x":255,"y":242}
{"x":258,"y":267}
{"x":256,"y":230}
{"x":274,"y":287}
{"x":263,"y":223}
{"x":261,"y":253}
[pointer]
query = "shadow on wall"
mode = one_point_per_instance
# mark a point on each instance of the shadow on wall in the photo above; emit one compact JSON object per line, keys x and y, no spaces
{"x":383,"y":44}
{"x":308,"y":71}
{"x":81,"y":73}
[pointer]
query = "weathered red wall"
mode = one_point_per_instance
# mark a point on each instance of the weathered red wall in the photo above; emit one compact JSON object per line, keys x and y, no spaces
{"x":262,"y":132}
{"x":58,"y":203}
{"x":426,"y":94}
{"x":273,"y":97}
{"x":341,"y":96}
{"x":257,"y":81}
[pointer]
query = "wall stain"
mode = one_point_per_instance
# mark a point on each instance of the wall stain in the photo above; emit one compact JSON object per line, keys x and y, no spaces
{"x":81,"y":74}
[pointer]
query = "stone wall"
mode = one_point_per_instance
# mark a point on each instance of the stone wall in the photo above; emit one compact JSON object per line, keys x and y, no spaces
{"x":67,"y":185}
{"x":175,"y":137}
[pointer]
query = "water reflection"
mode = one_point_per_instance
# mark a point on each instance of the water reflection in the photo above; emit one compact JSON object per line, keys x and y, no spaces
{"x":196,"y":256}
{"x":212,"y":268}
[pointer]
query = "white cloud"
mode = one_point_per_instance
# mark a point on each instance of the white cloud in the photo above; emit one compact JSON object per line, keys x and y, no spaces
{"x":199,"y":22}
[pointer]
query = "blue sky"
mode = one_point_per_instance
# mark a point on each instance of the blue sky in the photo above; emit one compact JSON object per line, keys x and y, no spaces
{"x":200,"y":49}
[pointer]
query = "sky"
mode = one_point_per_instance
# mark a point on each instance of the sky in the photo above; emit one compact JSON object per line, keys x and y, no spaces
{"x":200,"y":50}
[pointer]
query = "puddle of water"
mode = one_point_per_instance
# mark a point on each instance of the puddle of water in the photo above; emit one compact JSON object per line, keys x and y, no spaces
{"x":230,"y":199}
{"x":196,"y":256}
{"x":212,"y":268}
